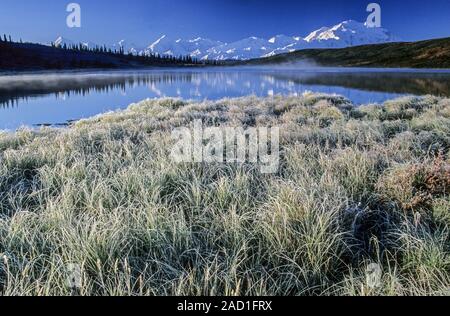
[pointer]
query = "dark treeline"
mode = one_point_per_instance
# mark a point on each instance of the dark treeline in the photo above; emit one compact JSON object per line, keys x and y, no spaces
{"x":143,"y":57}
{"x":17,"y":55}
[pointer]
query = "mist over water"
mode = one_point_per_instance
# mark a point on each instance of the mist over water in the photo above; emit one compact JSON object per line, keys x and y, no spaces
{"x":50,"y":98}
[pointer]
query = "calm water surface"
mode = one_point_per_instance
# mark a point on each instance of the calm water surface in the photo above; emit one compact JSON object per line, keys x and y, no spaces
{"x":58,"y":98}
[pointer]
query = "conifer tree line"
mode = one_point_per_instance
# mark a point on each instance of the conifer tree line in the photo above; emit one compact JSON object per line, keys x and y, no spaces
{"x":7,"y":39}
{"x":105,"y":50}
{"x":151,"y":58}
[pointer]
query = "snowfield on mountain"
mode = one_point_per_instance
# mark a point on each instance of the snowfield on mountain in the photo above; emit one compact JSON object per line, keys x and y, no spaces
{"x":345,"y":34}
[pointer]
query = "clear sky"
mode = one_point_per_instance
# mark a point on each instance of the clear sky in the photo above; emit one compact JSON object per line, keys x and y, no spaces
{"x":142,"y":21}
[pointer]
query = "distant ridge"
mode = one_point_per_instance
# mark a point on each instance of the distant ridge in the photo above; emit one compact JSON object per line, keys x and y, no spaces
{"x":424,"y":54}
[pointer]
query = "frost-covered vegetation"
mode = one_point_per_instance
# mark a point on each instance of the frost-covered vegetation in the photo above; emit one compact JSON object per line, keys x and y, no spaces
{"x":356,"y":186}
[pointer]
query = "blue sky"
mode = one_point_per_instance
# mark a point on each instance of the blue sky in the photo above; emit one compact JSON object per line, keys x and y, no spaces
{"x":142,"y":21}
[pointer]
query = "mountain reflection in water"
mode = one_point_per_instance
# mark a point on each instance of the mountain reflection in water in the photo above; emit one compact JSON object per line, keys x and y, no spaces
{"x":57,"y":98}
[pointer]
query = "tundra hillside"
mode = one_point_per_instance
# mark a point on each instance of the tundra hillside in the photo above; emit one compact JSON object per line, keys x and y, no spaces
{"x":424,"y":54}
{"x":357,"y":186}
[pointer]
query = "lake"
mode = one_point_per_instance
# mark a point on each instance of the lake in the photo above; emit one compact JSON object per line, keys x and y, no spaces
{"x":59,"y":98}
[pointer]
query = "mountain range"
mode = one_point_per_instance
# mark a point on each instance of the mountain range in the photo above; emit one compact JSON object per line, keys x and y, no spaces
{"x":345,"y":34}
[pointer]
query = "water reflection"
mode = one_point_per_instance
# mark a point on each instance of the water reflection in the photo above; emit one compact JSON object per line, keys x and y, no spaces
{"x":401,"y":83}
{"x":23,"y":88}
{"x":57,"y":98}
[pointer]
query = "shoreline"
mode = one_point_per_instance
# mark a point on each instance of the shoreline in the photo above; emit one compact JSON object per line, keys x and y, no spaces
{"x":71,"y":122}
{"x":275,"y":67}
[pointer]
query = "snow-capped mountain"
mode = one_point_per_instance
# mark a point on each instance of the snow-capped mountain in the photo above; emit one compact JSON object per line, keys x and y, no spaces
{"x":193,"y":47}
{"x":252,"y":47}
{"x":345,"y":34}
{"x":129,"y":48}
{"x":61,"y":41}
{"x":348,"y":33}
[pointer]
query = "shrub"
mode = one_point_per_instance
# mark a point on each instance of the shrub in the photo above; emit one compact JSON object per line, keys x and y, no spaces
{"x":414,"y":186}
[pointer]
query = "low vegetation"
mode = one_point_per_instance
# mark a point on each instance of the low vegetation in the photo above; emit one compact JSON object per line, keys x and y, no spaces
{"x":101,"y":204}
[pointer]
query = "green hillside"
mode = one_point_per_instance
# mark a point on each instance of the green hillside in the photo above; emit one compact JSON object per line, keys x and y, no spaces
{"x":424,"y":54}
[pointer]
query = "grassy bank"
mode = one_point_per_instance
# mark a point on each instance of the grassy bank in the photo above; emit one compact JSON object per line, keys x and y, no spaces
{"x":356,"y":186}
